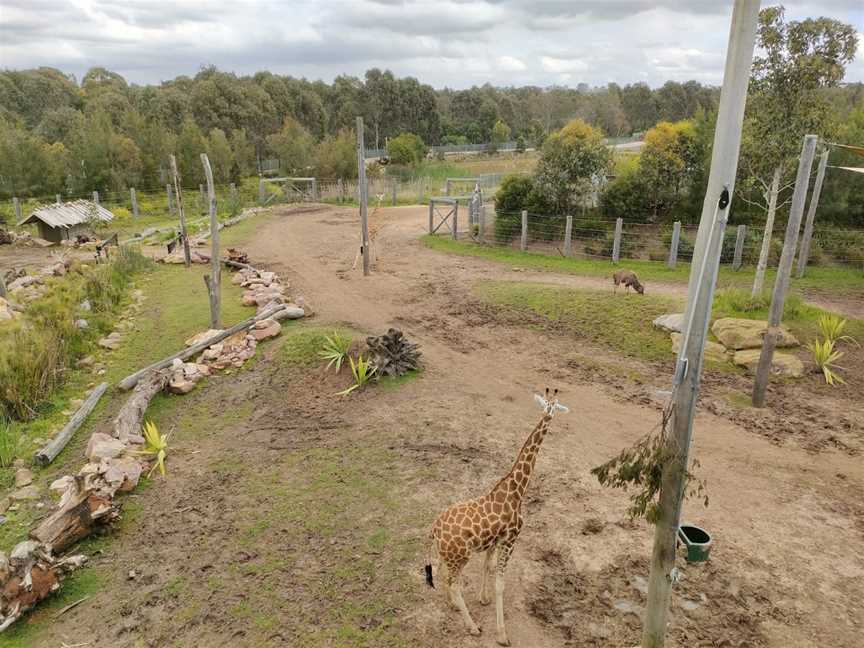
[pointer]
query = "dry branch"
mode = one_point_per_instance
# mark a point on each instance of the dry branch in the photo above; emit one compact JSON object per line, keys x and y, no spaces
{"x":127,"y":425}
{"x":47,"y":454}
{"x":75,"y":519}
{"x":130,"y":381}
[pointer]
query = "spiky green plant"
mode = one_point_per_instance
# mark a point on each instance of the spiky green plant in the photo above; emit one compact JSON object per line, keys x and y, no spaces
{"x":362,"y":370}
{"x":335,"y":349}
{"x":156,"y":446}
{"x":831,"y":327}
{"x":824,"y":356}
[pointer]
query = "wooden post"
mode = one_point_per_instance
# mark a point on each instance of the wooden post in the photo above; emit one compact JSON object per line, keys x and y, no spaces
{"x":202,"y":197}
{"x":568,"y":236}
{"x":739,"y":247}
{"x":431,"y":213}
{"x":804,"y":251}
{"x":315,"y":189}
{"x":447,"y":187}
{"x":616,"y":242}
{"x":58,"y":198}
{"x":339,"y":190}
{"x":134,"y":198}
{"x":703,"y":278}
{"x":456,"y":220}
{"x":49,"y":452}
{"x":96,"y":197}
{"x":394,"y":193}
{"x":523,"y":243}
{"x":262,"y":192}
{"x":363,"y":191}
{"x":233,"y":189}
{"x":481,"y":223}
{"x":16,"y":204}
{"x":762,"y":264}
{"x":784,"y":270}
{"x":673,"y":246}
{"x":170,"y":199}
{"x":214,"y":280}
{"x":187,"y":255}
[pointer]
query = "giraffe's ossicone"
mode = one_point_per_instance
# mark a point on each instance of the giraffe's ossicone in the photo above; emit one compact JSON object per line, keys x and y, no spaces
{"x":490,"y":523}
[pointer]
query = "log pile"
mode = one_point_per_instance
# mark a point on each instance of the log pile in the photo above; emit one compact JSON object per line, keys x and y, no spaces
{"x":392,"y":354}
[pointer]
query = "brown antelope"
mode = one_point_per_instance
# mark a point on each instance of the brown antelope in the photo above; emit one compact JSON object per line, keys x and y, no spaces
{"x":629,"y":279}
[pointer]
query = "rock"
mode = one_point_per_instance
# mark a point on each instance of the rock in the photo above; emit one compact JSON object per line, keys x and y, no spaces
{"x":290,"y":312}
{"x":23,"y":552}
{"x":76,"y":403}
{"x":737,"y":333}
{"x":4,"y":504}
{"x":62,"y":485}
{"x":81,"y":324}
{"x":30,"y":492}
{"x":782,"y":364}
{"x":265,"y":329}
{"x":4,"y":567}
{"x":102,"y":446}
{"x":23,"y":477}
{"x":138,"y":294}
{"x":200,"y":337}
{"x":122,"y":473}
{"x":87,"y":361}
{"x":179,"y":385}
{"x":41,"y":242}
{"x":713,"y":351}
{"x":85,"y":305}
{"x":111,"y":342}
{"x":673,"y":322}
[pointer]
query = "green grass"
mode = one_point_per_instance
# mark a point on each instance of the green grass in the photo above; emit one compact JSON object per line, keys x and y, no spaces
{"x":620,"y":322}
{"x":829,"y":281}
{"x":302,"y":347}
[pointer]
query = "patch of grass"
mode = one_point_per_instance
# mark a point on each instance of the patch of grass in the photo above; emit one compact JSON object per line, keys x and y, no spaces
{"x":829,"y":281}
{"x":620,"y":322}
{"x":303,"y":345}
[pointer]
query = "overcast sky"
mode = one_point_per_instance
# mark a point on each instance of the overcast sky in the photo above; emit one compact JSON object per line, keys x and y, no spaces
{"x":454,"y":43}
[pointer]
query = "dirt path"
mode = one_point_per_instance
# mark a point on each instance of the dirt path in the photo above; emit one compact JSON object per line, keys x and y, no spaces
{"x":786,"y":566}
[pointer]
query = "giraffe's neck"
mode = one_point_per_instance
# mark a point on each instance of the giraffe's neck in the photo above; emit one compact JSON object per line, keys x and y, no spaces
{"x":515,"y":483}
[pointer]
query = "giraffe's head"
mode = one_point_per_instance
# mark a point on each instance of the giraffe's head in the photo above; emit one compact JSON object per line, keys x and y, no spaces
{"x":549,"y":403}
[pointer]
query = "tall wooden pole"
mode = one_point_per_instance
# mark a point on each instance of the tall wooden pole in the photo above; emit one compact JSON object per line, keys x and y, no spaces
{"x":703,"y":278}
{"x":363,"y":195}
{"x":214,"y":280}
{"x":804,"y":251}
{"x":16,"y":205}
{"x":134,"y":197}
{"x":784,"y":270}
{"x":759,"y":279}
{"x":187,"y":255}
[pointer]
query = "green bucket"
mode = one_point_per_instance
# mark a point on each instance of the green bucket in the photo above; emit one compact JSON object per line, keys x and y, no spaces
{"x":697,"y":541}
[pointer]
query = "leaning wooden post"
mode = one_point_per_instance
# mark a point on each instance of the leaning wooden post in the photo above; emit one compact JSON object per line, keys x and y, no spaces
{"x":739,"y":247}
{"x":187,"y":254}
{"x":16,"y":204}
{"x":262,"y":192}
{"x":616,"y":242}
{"x":363,"y":195}
{"x":784,"y":270}
{"x":134,"y":198}
{"x":568,"y":236}
{"x":673,"y":246}
{"x":804,"y":250}
{"x":213,"y":280}
{"x":523,"y":242}
{"x":703,"y":278}
{"x":96,"y":197}
{"x":49,"y":452}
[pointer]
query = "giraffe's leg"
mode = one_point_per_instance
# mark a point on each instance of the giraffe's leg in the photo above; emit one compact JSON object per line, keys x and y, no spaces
{"x":454,"y":583}
{"x":487,"y":570}
{"x":503,"y":556}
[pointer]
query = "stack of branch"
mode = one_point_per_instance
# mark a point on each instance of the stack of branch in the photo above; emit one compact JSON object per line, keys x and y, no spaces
{"x":392,"y":354}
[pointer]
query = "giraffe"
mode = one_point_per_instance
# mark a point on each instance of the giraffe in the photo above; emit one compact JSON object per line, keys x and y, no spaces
{"x":490,"y":523}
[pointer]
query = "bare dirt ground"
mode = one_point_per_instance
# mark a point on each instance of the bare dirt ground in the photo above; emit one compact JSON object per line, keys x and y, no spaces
{"x":295,"y":518}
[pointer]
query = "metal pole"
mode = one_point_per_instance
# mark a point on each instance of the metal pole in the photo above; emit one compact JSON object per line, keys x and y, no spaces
{"x":568,"y":236}
{"x":616,"y":242}
{"x":739,"y":247}
{"x":703,"y":276}
{"x":187,"y":255}
{"x":134,"y":197}
{"x":673,"y":246}
{"x":523,"y":244}
{"x":215,"y":280}
{"x":784,"y":270}
{"x":804,"y":251}
{"x":363,"y":190}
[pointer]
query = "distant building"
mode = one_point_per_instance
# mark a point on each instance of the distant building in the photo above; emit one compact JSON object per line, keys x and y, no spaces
{"x":62,"y":221}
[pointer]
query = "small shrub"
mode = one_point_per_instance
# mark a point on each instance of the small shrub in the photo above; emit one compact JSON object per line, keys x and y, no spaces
{"x":335,"y":350}
{"x":824,"y":356}
{"x":362,"y":370}
{"x":591,"y":228}
{"x":155,"y":446}
{"x":831,"y":328}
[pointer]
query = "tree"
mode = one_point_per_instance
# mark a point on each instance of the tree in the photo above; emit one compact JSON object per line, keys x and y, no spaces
{"x":220,"y":155}
{"x":407,"y":148}
{"x":786,"y":100}
{"x":572,"y":161}
{"x":336,"y":156}
{"x":293,"y":145}
{"x":666,"y":164}
{"x":190,"y":145}
{"x":500,"y":135}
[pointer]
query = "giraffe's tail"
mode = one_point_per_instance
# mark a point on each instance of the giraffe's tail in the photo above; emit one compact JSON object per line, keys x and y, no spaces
{"x":429,"y":581}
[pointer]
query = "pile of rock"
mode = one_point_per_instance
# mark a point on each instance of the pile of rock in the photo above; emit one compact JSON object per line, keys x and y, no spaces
{"x":739,"y":342}
{"x":177,"y":257}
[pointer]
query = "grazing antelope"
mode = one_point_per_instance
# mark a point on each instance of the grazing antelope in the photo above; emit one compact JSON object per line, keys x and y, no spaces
{"x":629,"y":279}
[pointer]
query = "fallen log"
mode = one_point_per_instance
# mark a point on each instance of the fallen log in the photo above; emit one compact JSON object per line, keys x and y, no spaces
{"x":127,"y":425}
{"x":75,"y":520}
{"x":48,"y":453}
{"x":130,"y":381}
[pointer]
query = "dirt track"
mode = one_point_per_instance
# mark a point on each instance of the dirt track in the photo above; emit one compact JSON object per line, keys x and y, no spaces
{"x":786,"y":567}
